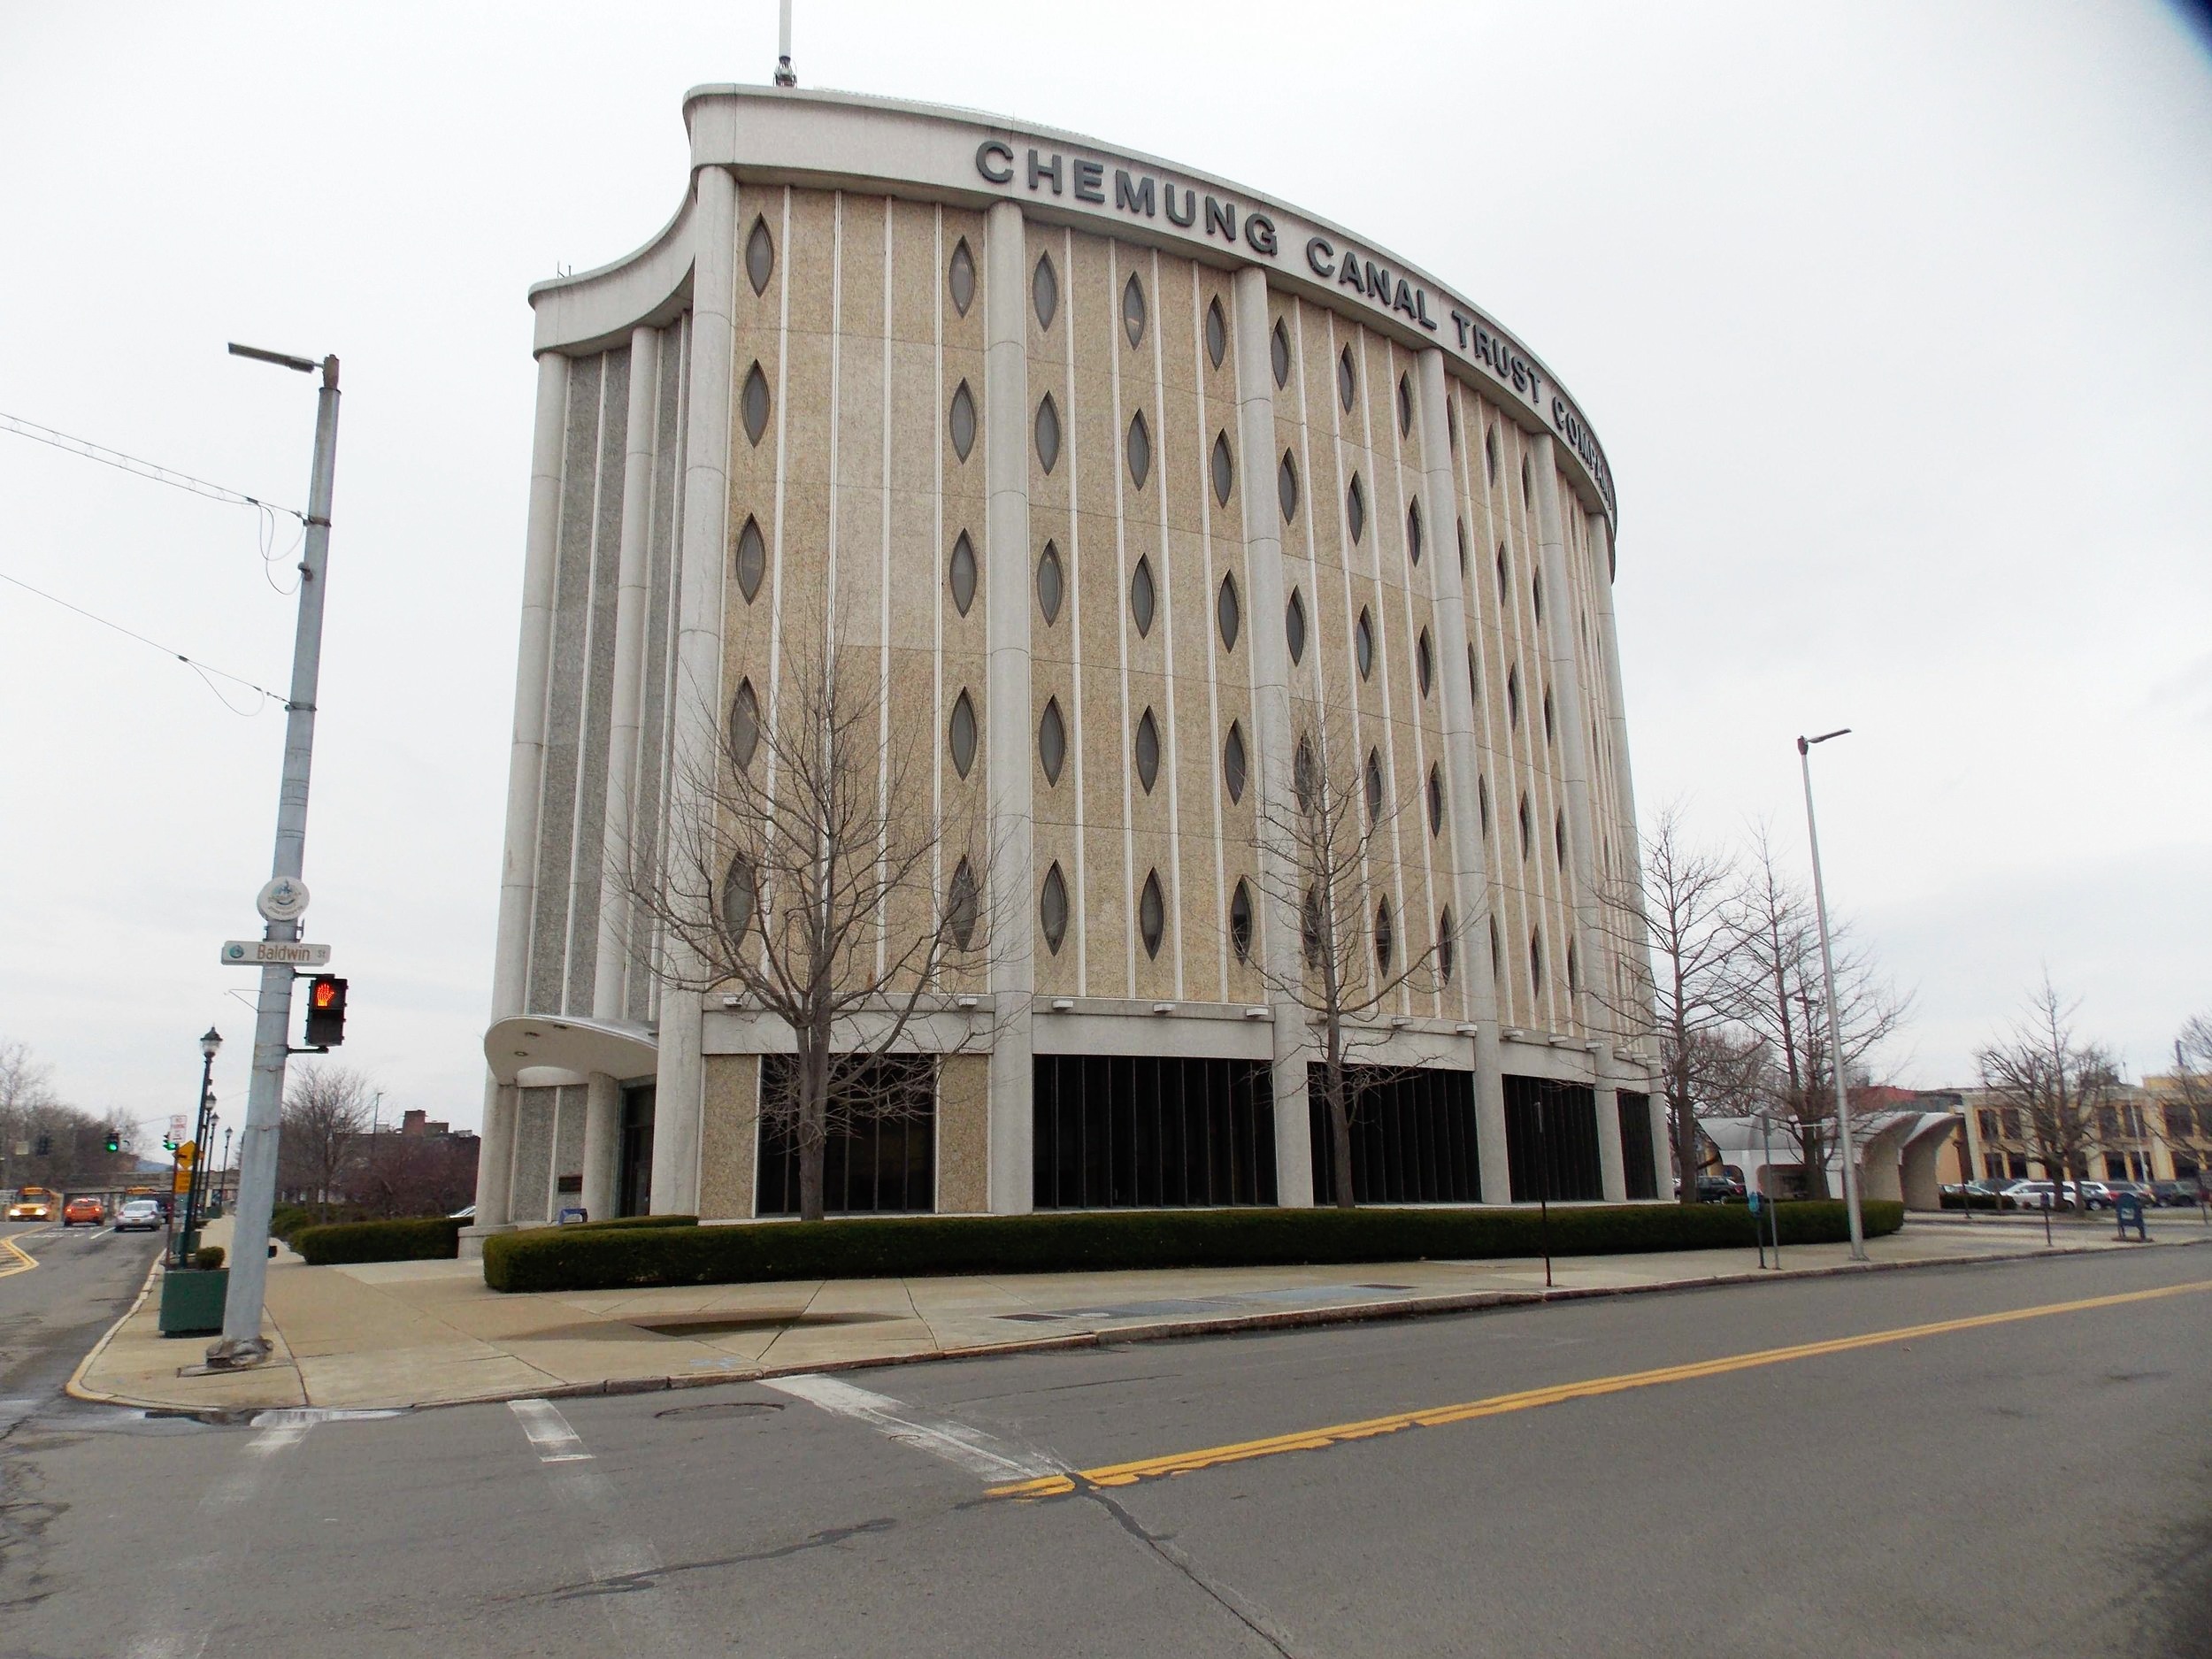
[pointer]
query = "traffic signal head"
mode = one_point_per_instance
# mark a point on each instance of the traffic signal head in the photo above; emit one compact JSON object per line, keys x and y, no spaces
{"x":115,"y":1141}
{"x":326,"y":1011}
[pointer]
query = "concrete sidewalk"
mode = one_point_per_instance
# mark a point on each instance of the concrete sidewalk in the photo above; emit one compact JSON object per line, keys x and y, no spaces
{"x":422,"y":1333}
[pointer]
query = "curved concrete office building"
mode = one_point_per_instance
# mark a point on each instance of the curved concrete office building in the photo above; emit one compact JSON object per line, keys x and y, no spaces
{"x":1130,"y":481}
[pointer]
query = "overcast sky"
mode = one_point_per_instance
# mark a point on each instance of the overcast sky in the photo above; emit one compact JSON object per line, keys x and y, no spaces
{"x":1895,"y":321}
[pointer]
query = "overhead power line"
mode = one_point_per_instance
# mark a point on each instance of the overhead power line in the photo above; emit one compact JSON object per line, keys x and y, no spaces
{"x":200,"y":668}
{"x":133,"y":465}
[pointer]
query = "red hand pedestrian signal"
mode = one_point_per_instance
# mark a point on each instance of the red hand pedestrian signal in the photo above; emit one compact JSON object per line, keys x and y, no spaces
{"x":326,"y":1011}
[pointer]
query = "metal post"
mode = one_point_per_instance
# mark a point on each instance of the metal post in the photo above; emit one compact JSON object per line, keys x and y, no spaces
{"x":1543,"y":1191}
{"x":242,"y":1342}
{"x":1835,"y":1025}
{"x":785,"y":76}
{"x":188,"y":1240}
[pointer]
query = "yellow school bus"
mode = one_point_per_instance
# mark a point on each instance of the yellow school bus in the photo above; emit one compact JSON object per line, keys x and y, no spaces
{"x":34,"y":1203}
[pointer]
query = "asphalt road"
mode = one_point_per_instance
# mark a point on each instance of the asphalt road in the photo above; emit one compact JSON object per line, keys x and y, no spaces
{"x":51,"y":1313}
{"x":1706,"y":1474}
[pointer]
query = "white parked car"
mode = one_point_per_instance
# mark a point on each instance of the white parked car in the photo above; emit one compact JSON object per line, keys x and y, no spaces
{"x":139,"y":1215}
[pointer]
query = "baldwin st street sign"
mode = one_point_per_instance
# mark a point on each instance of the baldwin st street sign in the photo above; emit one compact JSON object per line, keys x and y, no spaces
{"x":261,"y":953}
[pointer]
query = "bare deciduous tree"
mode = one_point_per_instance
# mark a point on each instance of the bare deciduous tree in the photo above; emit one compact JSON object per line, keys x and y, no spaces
{"x":326,"y":1114}
{"x":806,"y":881}
{"x":1358,"y":955}
{"x":1780,"y":1003}
{"x":2189,"y":1101}
{"x":61,"y":1145}
{"x":2057,"y":1082}
{"x":1680,"y":927}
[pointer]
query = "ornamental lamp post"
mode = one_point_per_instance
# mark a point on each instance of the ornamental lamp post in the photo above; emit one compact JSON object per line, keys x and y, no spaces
{"x":1828,"y":986}
{"x":188,"y":1239}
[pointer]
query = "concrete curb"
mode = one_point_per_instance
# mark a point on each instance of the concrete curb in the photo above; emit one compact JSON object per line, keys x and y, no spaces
{"x":1164,"y":1330}
{"x":74,"y":1388}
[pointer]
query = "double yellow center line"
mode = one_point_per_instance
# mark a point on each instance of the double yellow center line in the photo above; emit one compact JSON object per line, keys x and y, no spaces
{"x":1498,"y":1405}
{"x":24,"y":1261}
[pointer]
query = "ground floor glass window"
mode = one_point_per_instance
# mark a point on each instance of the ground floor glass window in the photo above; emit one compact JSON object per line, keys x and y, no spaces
{"x":881,"y":1153}
{"x":1413,"y":1135}
{"x":1152,"y":1131}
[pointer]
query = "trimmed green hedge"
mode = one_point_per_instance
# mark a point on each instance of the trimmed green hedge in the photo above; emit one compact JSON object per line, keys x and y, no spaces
{"x":579,"y":1258}
{"x":428,"y":1238}
{"x":631,"y":1221}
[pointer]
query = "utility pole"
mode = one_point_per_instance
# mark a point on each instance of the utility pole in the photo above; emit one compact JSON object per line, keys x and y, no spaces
{"x":1828,"y":985}
{"x":281,"y":901}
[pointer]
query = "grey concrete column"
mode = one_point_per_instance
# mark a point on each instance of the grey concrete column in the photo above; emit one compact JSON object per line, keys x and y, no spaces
{"x":602,"y":1137}
{"x":1463,"y":768}
{"x":525,"y":772}
{"x":1008,"y":788}
{"x":681,"y":1079}
{"x":610,"y":977}
{"x":1280,"y":946}
{"x":1613,"y":705}
{"x":1564,"y":679}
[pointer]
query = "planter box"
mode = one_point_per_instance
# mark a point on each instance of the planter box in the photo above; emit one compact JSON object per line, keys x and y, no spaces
{"x":192,"y":1302}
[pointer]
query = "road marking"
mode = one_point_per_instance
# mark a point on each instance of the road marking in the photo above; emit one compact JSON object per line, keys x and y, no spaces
{"x":24,"y":1261}
{"x":943,"y":1437}
{"x":555,"y":1442}
{"x":1498,"y":1405}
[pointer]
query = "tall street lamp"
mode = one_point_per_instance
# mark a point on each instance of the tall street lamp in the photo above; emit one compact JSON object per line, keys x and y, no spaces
{"x":1828,"y":985}
{"x":188,"y":1240}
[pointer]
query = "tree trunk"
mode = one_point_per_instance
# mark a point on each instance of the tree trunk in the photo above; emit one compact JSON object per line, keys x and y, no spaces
{"x":1339,"y":1127}
{"x":812,"y":1128}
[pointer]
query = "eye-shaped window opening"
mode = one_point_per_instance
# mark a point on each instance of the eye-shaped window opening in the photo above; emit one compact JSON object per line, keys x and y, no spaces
{"x":1286,"y":486}
{"x":1305,"y":777}
{"x":1142,"y":596}
{"x":1460,"y":525}
{"x":961,"y":574}
{"x":1559,"y":836}
{"x":1550,"y":736}
{"x":1505,"y":580}
{"x":1513,"y":697}
{"x":760,"y":255}
{"x":1347,"y":379}
{"x":1536,"y":592}
{"x":960,"y":735}
{"x":1405,"y":404}
{"x":1295,"y":627}
{"x":1047,"y":433}
{"x":1363,"y":644}
{"x":1151,"y":914}
{"x":1451,"y":421}
{"x":1133,"y":309}
{"x":1482,"y":803}
{"x":743,"y":738}
{"x":1497,"y":950}
{"x":1386,"y":936}
{"x":1233,"y":763}
{"x":1052,"y":740}
{"x":1217,"y":333}
{"x":1355,"y":508}
{"x":1374,"y":787}
{"x":752,"y":404}
{"x":1051,"y":584}
{"x":1424,"y":662}
{"x":1490,"y":455}
{"x":1447,"y":945}
{"x":1474,"y":682}
{"x":962,"y":905}
{"x":1528,"y":484}
{"x":1052,"y":909}
{"x":1574,"y":969}
{"x":1228,"y":613}
{"x":1044,"y":290}
{"x":1139,"y":449}
{"x":1413,"y":532}
{"x":1240,"y":920}
{"x":1526,"y":835}
{"x":1224,"y":468}
{"x":960,"y":420}
{"x":1310,"y":921}
{"x":1147,"y":747}
{"x":1536,"y":958}
{"x":752,"y":559}
{"x":960,"y":277}
{"x":1436,"y":801}
{"x":738,"y":900}
{"x":1279,"y":354}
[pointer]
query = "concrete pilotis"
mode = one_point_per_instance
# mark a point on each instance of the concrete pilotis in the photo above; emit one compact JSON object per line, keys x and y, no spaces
{"x":679,"y":1081}
{"x":1006,"y":712}
{"x":1294,"y":1045}
{"x":1470,"y":877}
